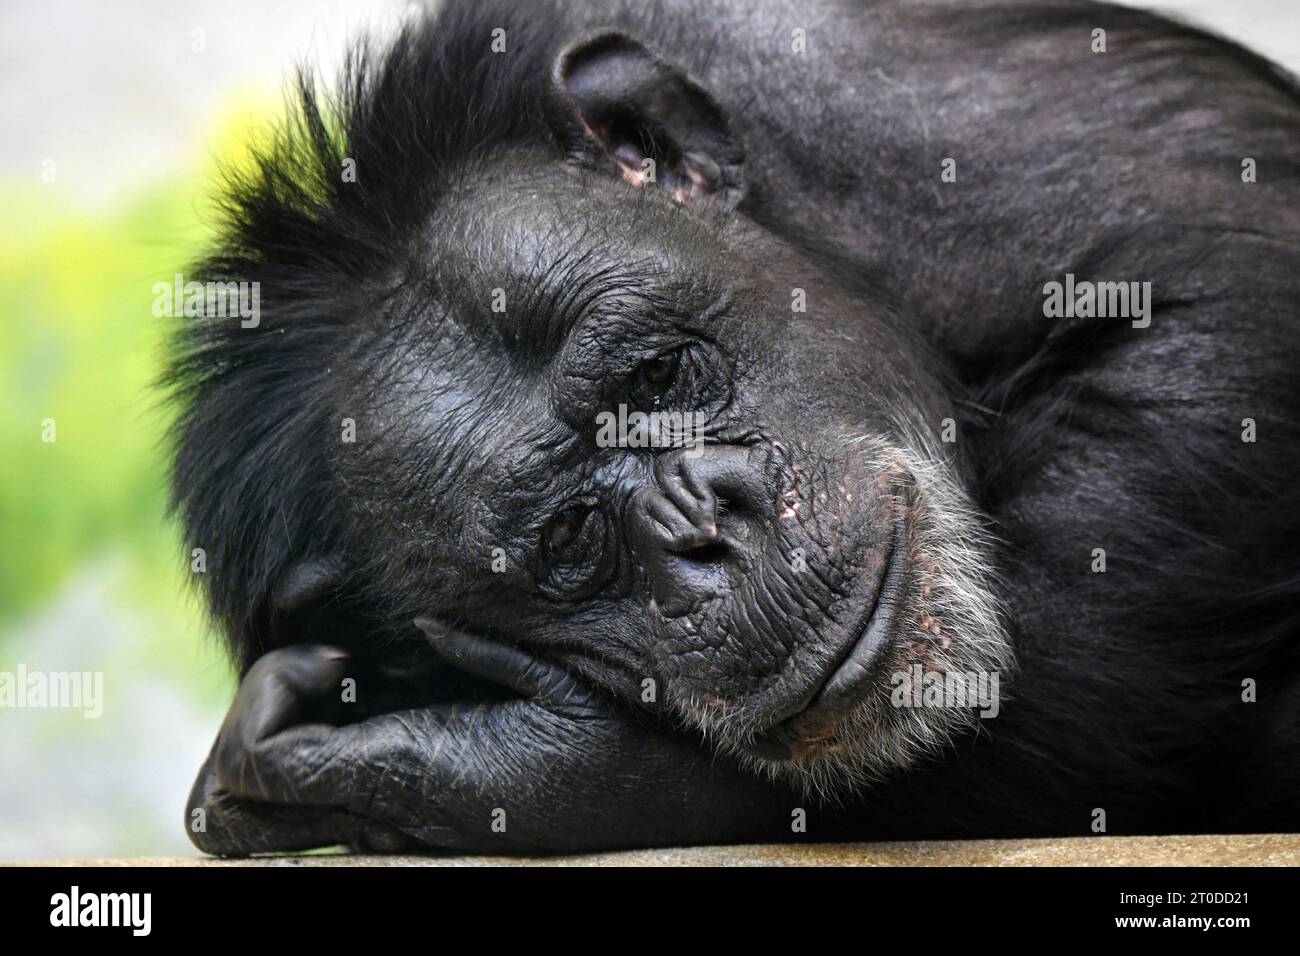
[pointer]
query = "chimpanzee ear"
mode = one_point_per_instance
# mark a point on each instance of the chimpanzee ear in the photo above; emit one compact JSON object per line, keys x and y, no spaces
{"x":304,"y":583}
{"x":305,"y":604}
{"x":620,"y":106}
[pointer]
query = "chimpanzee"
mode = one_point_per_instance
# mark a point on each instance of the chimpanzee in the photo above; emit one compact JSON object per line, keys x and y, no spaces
{"x":982,"y":318}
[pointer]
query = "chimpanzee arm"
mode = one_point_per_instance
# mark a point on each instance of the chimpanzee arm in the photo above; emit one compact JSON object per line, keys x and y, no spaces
{"x":554,"y":770}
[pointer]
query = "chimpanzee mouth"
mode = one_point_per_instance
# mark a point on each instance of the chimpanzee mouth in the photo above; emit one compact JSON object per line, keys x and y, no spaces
{"x":813,"y":728}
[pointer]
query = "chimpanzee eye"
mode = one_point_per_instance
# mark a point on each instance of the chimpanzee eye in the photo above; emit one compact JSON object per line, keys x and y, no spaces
{"x":655,"y":378}
{"x":563,"y":528}
{"x":576,"y":556}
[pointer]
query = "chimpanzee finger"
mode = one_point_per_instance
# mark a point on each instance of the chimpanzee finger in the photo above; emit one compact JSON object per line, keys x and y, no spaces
{"x":265,"y":755}
{"x":541,"y":681}
{"x":281,"y":686}
{"x":449,"y":776}
{"x":222,"y":824}
{"x":438,"y":774}
{"x":279,"y":691}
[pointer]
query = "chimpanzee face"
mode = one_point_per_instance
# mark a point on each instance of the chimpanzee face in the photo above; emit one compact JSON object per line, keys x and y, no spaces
{"x":758,"y":561}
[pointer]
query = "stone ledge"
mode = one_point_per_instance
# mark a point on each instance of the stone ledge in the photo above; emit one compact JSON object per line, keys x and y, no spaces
{"x":1252,"y":850}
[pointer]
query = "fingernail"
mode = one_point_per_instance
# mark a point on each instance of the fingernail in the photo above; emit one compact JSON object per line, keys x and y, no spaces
{"x":433,"y":631}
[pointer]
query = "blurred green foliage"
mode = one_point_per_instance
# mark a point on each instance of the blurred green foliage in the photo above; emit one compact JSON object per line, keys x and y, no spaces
{"x":81,"y":347}
{"x":79,"y":344}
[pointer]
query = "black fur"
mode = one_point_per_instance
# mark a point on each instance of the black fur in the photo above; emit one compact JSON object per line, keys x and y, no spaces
{"x":1082,"y":434}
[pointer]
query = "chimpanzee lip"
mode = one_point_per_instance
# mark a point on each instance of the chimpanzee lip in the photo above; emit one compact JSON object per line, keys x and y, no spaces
{"x":838,"y":690}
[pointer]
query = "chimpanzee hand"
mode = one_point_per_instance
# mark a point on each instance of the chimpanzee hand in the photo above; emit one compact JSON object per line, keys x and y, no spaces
{"x":555,"y":770}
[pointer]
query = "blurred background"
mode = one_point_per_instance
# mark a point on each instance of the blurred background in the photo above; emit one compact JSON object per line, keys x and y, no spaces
{"x":114,"y":117}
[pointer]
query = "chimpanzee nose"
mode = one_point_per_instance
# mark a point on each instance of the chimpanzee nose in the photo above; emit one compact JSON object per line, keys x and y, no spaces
{"x":693,"y":529}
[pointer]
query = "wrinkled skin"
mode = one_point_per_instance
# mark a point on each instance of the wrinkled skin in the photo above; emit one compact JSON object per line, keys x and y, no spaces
{"x":492,"y":630}
{"x":434,"y":778}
